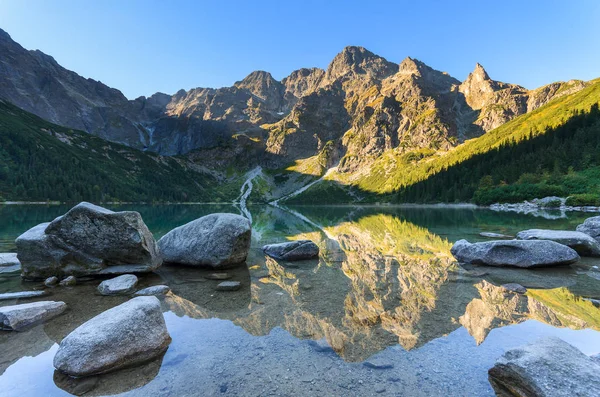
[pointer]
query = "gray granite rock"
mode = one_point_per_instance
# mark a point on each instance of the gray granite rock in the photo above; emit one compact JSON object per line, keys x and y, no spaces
{"x":584,"y":244}
{"x":514,"y":287}
{"x":229,"y":286}
{"x":494,"y":235}
{"x":18,"y":317}
{"x":545,"y":368}
{"x":9,"y":262}
{"x":21,"y":295}
{"x":51,"y":281}
{"x":68,"y":281}
{"x":515,"y":253}
{"x":213,"y":241}
{"x":88,"y":240}
{"x":591,"y":227}
{"x":155,"y":290}
{"x":121,"y":285}
{"x":292,"y":250}
{"x":129,"y":334}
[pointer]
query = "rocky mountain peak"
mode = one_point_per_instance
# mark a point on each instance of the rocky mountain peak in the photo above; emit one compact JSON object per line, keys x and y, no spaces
{"x":355,"y":60}
{"x":4,"y":36}
{"x":479,"y":73}
{"x":261,"y":84}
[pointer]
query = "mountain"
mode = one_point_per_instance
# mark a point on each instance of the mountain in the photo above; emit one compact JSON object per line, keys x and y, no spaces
{"x":363,"y":120}
{"x":42,"y":161}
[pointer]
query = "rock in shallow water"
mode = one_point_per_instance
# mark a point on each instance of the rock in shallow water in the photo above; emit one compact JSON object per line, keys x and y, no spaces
{"x":213,"y":241}
{"x":21,"y":295}
{"x":494,"y":235}
{"x":121,"y":285}
{"x":293,"y":250}
{"x":88,"y":240}
{"x":51,"y":281}
{"x":17,"y":317}
{"x":515,"y":253}
{"x":68,"y":282}
{"x":514,"y":287}
{"x":229,"y":286}
{"x":156,"y":290}
{"x":591,"y":227}
{"x":547,"y":367}
{"x":128,"y":334}
{"x":9,"y":262}
{"x":584,"y":244}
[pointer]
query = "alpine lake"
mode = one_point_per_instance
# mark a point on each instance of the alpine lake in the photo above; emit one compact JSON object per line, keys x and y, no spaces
{"x":385,"y":310}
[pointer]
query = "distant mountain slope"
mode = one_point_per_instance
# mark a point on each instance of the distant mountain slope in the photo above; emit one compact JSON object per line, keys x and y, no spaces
{"x":41,"y":161}
{"x":426,"y":175}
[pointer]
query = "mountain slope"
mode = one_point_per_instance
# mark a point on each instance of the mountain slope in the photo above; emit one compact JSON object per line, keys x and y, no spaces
{"x":398,"y":176}
{"x":41,"y":161}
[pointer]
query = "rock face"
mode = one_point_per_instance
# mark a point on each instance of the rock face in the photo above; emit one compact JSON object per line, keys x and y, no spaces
{"x":547,"y":367}
{"x":121,"y":285}
{"x":213,"y":241}
{"x":579,"y":241}
{"x":591,"y":227}
{"x":88,"y":240}
{"x":128,"y":334}
{"x":516,"y":253}
{"x":18,"y":317}
{"x":293,"y":250}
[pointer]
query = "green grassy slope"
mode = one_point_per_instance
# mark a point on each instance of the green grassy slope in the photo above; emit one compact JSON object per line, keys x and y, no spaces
{"x":41,"y":161}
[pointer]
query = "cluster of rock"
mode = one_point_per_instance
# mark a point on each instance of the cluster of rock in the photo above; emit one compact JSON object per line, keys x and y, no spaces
{"x":534,"y":248}
{"x":540,"y":207}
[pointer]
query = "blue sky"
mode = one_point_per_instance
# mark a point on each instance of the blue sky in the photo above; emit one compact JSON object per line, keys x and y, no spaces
{"x":145,"y":46}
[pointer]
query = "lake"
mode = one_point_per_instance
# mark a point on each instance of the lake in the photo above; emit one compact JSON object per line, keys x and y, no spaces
{"x":385,"y":310}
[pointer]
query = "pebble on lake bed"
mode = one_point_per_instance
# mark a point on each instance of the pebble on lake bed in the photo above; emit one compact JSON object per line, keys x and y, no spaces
{"x":121,"y":285}
{"x":156,"y":290}
{"x":229,"y":286}
{"x":68,"y":282}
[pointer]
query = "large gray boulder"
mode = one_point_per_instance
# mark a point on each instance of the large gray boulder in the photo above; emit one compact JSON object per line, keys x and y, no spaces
{"x":516,"y":253}
{"x":17,"y":317}
{"x":547,"y":367}
{"x":583,"y":243}
{"x":591,"y":227}
{"x":129,"y":334}
{"x":121,"y":285}
{"x":292,"y":250}
{"x":88,"y":240}
{"x":213,"y":241}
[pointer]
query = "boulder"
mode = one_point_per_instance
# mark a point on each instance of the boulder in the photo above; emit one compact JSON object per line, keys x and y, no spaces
{"x":88,"y":240}
{"x":121,"y":285}
{"x":51,"y":281}
{"x":214,"y":241}
{"x":21,"y":295}
{"x":583,"y":243}
{"x":17,"y":317}
{"x":591,"y":227}
{"x":129,"y":334}
{"x":547,"y":367}
{"x":68,"y":281}
{"x":515,"y":253}
{"x":156,"y":290}
{"x":292,"y":250}
{"x":9,"y":262}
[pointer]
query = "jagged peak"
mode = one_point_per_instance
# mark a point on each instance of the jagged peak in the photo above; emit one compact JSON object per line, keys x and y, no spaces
{"x":410,"y":66}
{"x":359,"y":60}
{"x":4,"y":35}
{"x":257,"y":76}
{"x":479,"y":72}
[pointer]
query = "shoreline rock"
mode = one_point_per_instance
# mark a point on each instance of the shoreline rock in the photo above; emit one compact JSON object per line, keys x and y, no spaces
{"x":21,"y":295}
{"x":131,"y":333}
{"x":9,"y":262}
{"x":155,"y":290}
{"x":122,"y":285}
{"x":214,"y":241}
{"x":88,"y":240}
{"x":579,"y":241}
{"x":292,"y":250}
{"x":514,"y":253}
{"x":18,"y":317}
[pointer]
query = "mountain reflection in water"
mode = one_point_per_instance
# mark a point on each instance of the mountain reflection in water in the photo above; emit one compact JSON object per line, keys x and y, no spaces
{"x":384,"y":277}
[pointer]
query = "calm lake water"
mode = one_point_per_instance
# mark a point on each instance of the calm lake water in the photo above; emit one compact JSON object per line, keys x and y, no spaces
{"x":384,"y":311}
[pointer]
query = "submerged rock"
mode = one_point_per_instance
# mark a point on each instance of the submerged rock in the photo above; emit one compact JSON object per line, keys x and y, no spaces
{"x":514,"y":287}
{"x":68,"y":282}
{"x":547,"y":367}
{"x":51,"y":281}
{"x":591,"y":227}
{"x":121,"y":285}
{"x":88,"y":240}
{"x":17,"y":317}
{"x":516,"y":253}
{"x":131,"y":333}
{"x":214,"y":241}
{"x":494,"y":235}
{"x":584,"y":244}
{"x":156,"y":290}
{"x":229,"y":286}
{"x":21,"y":295}
{"x":293,"y":250}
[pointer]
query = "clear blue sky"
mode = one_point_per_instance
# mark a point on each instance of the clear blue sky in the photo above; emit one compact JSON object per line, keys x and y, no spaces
{"x":145,"y":46}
